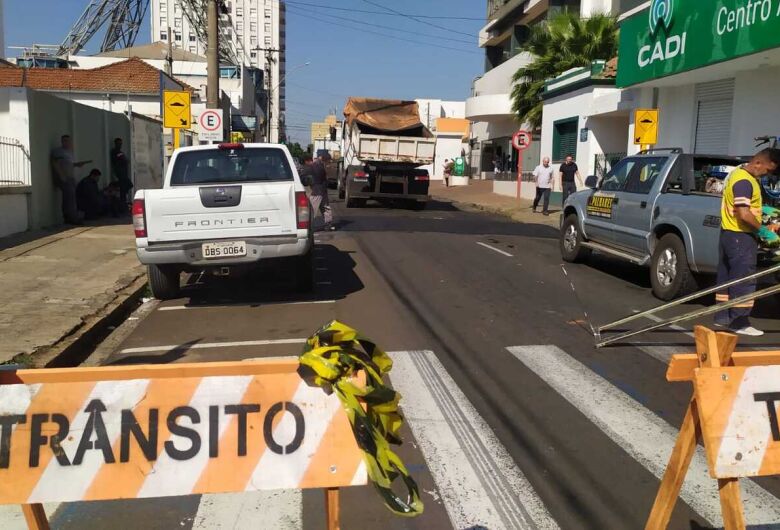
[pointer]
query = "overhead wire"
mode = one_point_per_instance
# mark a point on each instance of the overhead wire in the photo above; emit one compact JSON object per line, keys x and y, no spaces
{"x":364,"y":23}
{"x":416,"y":19}
{"x":352,"y":10}
{"x":390,"y":36}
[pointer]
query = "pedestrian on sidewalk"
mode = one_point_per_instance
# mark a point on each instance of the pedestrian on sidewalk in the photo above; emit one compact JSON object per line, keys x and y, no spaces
{"x":120,"y":167}
{"x":64,"y":178}
{"x":544,"y":175}
{"x":88,"y":197}
{"x":448,"y":167}
{"x":320,"y":203}
{"x":741,"y":219}
{"x":569,"y":171}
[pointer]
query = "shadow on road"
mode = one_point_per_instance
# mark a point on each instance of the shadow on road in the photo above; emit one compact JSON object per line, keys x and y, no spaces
{"x":273,"y":282}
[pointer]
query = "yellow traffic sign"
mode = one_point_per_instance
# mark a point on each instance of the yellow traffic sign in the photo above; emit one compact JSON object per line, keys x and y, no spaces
{"x":176,"y":109}
{"x":646,"y":126}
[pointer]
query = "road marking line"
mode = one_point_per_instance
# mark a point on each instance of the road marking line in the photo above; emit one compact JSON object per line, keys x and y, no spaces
{"x":231,"y":306}
{"x":479,"y":482}
{"x":281,"y":509}
{"x":208,"y":345}
{"x":324,"y":283}
{"x":494,"y":249}
{"x":639,"y":432}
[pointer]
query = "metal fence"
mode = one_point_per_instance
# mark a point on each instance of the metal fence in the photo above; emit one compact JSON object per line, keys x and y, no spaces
{"x":14,"y":163}
{"x":604,"y":163}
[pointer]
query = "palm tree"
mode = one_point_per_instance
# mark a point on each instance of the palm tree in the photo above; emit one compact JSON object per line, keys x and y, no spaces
{"x":563,"y":42}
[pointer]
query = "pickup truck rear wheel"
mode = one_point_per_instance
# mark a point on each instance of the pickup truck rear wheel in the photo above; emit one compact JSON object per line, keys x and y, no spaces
{"x":571,"y":241}
{"x":670,"y":274}
{"x":164,"y":281}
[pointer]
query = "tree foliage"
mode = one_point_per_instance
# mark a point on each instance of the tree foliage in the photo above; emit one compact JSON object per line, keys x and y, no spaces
{"x":559,"y":44}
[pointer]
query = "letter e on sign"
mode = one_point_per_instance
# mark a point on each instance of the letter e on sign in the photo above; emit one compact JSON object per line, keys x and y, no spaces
{"x":210,"y":125}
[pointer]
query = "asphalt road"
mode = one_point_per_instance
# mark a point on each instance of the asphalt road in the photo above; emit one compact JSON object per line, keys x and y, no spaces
{"x":514,"y":418}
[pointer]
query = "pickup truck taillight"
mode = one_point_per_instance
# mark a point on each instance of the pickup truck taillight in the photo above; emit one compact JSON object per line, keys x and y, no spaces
{"x":139,"y":218}
{"x":302,"y":212}
{"x":422,"y":177}
{"x":360,"y":176}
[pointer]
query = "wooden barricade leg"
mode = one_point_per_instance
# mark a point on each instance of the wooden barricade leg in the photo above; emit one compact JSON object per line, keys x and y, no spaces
{"x":713,"y":349}
{"x":35,"y":516}
{"x":332,"y":508}
{"x":731,"y":504}
{"x":676,"y":470}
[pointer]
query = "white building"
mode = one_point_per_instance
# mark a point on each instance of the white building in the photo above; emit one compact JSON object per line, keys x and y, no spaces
{"x":445,"y":119}
{"x":2,"y":31}
{"x":257,"y":35}
{"x":490,"y":106}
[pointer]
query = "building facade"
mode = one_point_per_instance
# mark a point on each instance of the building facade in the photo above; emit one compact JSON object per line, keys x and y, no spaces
{"x":489,"y":107}
{"x":257,"y":32}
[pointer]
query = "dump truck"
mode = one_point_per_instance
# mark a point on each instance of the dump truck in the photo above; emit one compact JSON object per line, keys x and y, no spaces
{"x":383,"y":147}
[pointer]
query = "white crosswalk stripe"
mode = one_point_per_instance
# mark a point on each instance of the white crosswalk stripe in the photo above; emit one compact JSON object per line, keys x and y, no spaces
{"x":485,"y":489}
{"x":638,"y":431}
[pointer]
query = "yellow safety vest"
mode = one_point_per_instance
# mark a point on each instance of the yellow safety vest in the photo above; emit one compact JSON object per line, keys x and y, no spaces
{"x":728,"y":213}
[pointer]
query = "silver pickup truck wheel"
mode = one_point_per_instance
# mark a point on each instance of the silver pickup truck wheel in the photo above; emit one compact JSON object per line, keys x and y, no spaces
{"x":571,"y":241}
{"x":670,"y":274}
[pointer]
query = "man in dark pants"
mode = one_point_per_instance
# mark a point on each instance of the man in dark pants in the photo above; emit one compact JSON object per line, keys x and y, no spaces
{"x":569,"y":171}
{"x":320,"y":203}
{"x":63,"y":165}
{"x":120,"y":166}
{"x":741,"y":218}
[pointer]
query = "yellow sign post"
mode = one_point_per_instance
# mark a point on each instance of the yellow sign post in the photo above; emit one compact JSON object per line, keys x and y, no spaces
{"x":645,"y":127}
{"x":177,"y":112}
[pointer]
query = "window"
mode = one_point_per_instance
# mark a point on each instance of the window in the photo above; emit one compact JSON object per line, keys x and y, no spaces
{"x":253,"y":40}
{"x":177,"y":37}
{"x":634,"y":175}
{"x":163,"y":35}
{"x":267,"y":27}
{"x":268,"y":41}
{"x":253,"y":55}
{"x":234,"y":165}
{"x":253,"y":13}
{"x":239,"y":27}
{"x":253,"y":27}
{"x":163,"y":7}
{"x":193,"y":49}
{"x":267,"y":12}
{"x":177,"y":8}
{"x":177,"y":23}
{"x":163,"y":20}
{"x":192,"y":38}
{"x":644,"y":174}
{"x":239,"y":11}
{"x":564,"y":138}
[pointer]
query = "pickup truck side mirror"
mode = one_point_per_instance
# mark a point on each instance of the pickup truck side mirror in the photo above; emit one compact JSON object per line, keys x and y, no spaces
{"x":592,"y":182}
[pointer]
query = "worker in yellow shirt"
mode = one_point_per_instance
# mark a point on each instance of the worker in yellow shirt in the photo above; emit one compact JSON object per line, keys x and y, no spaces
{"x":738,"y":248}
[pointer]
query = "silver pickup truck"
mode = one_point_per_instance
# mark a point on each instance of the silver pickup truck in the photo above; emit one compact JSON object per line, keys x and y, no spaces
{"x":650,"y":209}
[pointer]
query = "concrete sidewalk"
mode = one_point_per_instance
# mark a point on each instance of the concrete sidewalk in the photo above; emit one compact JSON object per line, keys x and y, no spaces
{"x":479,"y":195}
{"x":57,"y":285}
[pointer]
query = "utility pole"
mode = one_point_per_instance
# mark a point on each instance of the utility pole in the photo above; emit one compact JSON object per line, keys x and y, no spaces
{"x":212,"y":55}
{"x":269,"y":60}
{"x":169,"y":59}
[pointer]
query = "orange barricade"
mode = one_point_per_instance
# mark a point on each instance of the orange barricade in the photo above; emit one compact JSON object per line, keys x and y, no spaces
{"x":735,"y":410}
{"x":154,"y":431}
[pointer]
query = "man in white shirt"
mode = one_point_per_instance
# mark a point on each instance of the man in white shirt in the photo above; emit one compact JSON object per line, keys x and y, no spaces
{"x":544,"y":183}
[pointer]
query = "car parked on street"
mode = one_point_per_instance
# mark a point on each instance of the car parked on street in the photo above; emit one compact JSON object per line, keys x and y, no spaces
{"x":224,"y":208}
{"x":653,"y":208}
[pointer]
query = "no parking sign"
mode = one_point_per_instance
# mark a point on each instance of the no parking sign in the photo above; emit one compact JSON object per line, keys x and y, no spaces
{"x":210,"y":125}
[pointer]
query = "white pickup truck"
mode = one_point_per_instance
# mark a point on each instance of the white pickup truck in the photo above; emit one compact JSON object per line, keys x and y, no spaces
{"x":223,"y":208}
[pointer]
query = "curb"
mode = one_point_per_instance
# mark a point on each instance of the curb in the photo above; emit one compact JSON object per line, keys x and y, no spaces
{"x":74,"y":348}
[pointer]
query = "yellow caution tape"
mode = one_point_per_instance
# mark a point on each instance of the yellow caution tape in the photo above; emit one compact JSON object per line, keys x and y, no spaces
{"x":331,"y":358}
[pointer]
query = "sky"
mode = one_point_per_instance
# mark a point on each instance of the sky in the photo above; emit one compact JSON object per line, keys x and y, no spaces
{"x":355,"y":47}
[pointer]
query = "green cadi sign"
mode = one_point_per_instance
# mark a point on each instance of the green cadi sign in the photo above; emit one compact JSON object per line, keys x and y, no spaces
{"x":673,"y":36}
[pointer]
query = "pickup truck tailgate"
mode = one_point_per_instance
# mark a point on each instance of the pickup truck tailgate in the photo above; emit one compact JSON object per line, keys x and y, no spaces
{"x":220,"y":212}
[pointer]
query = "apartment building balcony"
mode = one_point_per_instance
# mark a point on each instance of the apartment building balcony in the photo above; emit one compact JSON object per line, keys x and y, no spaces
{"x":491,"y":93}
